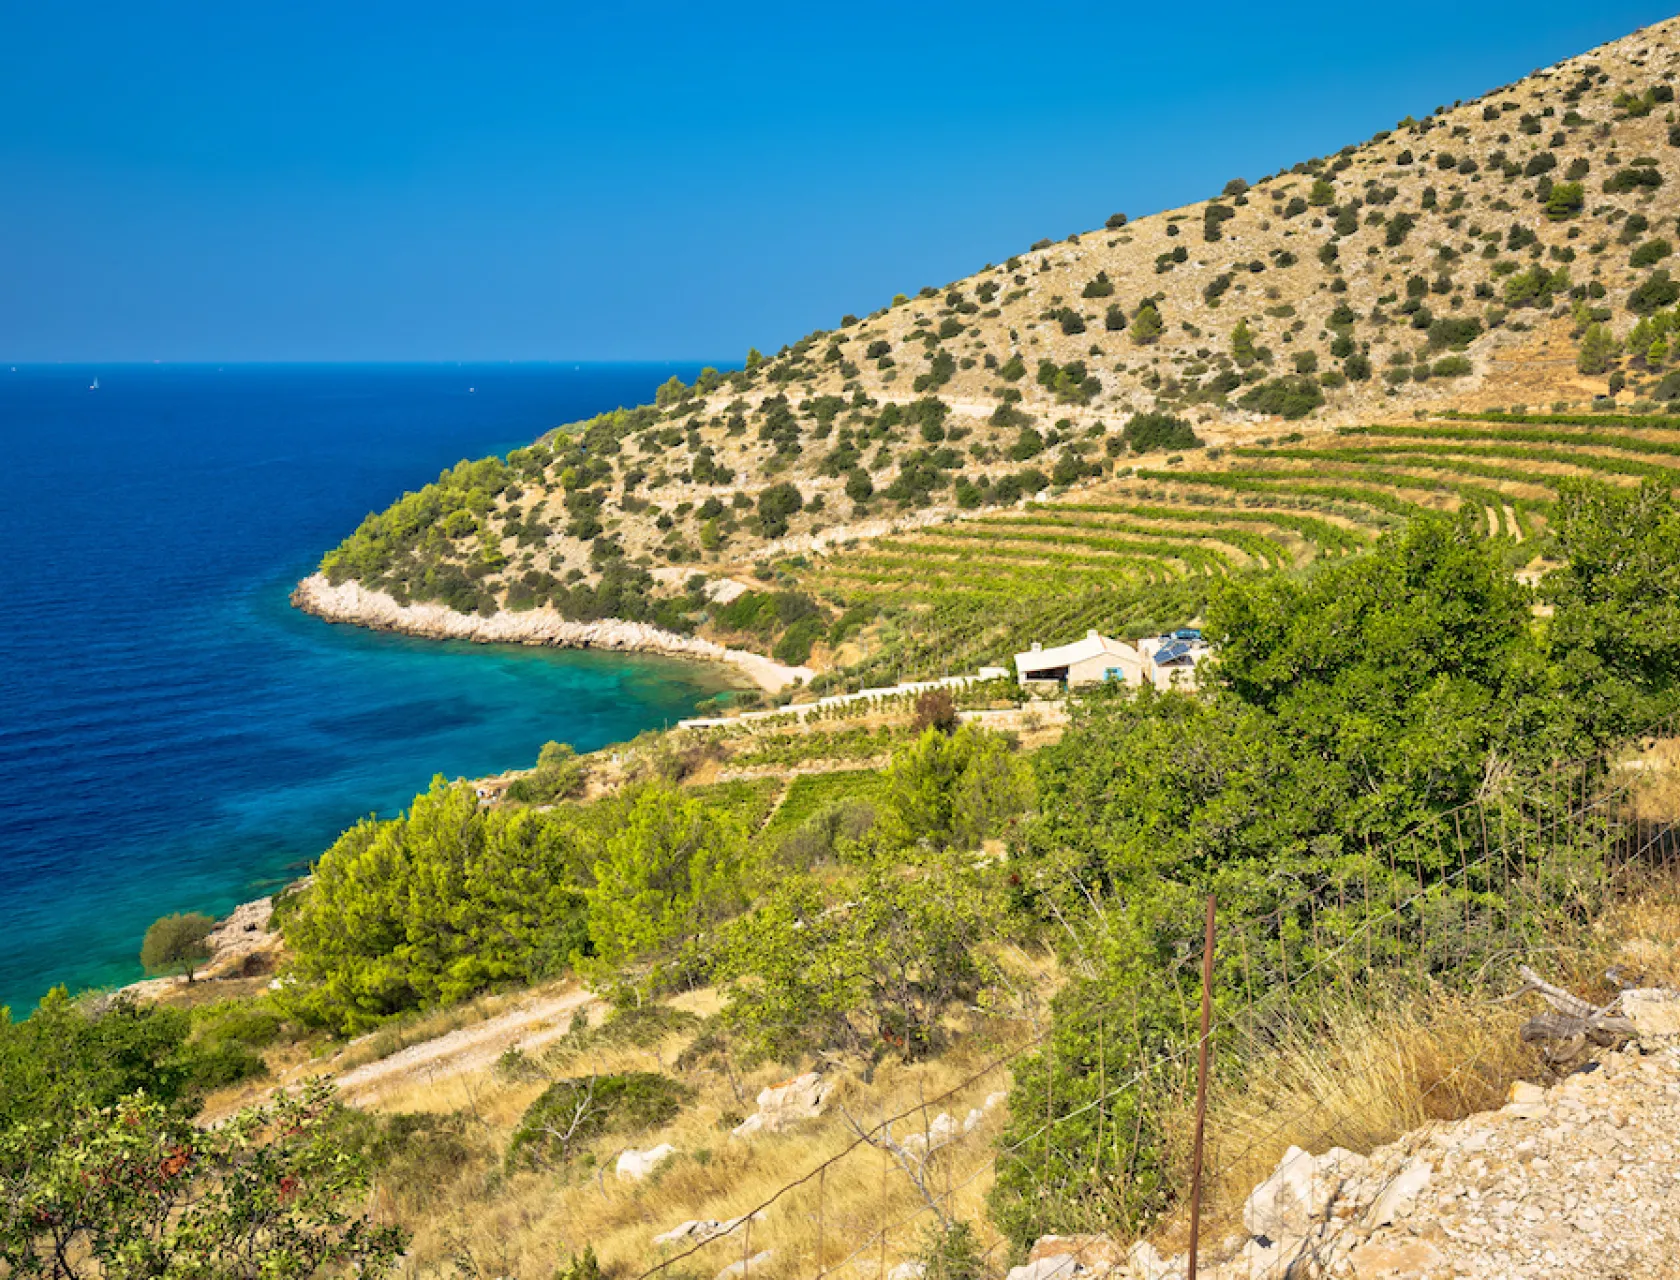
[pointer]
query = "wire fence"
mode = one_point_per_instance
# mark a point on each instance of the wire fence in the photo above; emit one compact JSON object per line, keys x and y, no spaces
{"x":1454,"y":905}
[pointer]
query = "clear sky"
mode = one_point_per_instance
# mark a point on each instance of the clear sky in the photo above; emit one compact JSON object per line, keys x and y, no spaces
{"x":369,"y":181}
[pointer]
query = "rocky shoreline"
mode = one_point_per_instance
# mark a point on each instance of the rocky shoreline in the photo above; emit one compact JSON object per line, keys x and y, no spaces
{"x":353,"y":603}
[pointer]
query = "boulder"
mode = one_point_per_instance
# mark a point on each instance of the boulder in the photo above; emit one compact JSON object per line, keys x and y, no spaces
{"x":633,"y":1166}
{"x":941,"y":1132}
{"x":1653,"y":1011}
{"x":784,"y":1105}
{"x":1061,"y":1268}
{"x":699,"y":1230}
{"x":1144,"y":1262}
{"x":746,"y":1266}
{"x":1087,"y":1250}
{"x":1396,"y":1258}
{"x":1300,"y":1192}
{"x":1395,"y":1200}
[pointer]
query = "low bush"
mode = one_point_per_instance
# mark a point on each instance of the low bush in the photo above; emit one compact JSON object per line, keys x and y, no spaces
{"x":1158,"y":433}
{"x":572,"y":1113}
{"x":1291,"y":396}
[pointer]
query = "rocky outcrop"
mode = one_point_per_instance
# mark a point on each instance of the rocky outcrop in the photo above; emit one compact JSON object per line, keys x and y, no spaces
{"x":784,"y":1105}
{"x":633,"y":1166}
{"x":1579,"y":1179}
{"x":700,"y":1230}
{"x":351,"y":602}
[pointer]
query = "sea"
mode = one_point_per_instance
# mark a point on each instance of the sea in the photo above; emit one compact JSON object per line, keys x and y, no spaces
{"x":173,"y":735}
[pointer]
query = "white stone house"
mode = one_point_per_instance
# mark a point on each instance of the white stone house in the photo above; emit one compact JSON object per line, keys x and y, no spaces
{"x":1093,"y":660}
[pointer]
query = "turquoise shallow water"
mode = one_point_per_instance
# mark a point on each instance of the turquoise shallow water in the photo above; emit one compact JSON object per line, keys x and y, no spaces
{"x":173,"y":736}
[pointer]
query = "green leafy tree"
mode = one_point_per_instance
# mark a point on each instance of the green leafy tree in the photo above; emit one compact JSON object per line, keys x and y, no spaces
{"x":776,"y":506}
{"x":1242,"y":344}
{"x":1146,"y":324}
{"x":134,"y":1189}
{"x":670,"y":871}
{"x":877,"y":972}
{"x":70,"y":1054}
{"x":1615,"y":629}
{"x":1159,"y":433}
{"x":1598,"y":349}
{"x":430,"y":907}
{"x":1291,"y":396}
{"x":953,"y":789}
{"x":177,"y":944}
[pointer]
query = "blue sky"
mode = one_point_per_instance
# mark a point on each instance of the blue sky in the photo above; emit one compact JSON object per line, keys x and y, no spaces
{"x":363,"y":181}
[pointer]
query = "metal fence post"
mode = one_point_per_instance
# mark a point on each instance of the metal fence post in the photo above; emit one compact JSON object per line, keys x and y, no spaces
{"x":1201,"y":1091}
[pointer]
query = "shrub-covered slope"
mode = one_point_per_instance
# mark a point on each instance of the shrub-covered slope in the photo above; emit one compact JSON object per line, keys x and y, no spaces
{"x":1515,"y":247}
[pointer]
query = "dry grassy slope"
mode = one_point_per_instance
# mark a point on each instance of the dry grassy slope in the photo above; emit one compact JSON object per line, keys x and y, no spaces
{"x":1460,"y":242}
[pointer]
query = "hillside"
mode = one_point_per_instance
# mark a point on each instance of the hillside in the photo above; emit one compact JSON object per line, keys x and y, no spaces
{"x":1479,"y":257}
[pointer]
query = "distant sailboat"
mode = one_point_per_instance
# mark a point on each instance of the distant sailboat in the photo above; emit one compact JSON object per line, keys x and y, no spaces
{"x":95,"y":386}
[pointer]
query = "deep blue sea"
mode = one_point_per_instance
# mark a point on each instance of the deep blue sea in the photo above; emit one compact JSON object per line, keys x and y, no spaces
{"x":173,"y":736}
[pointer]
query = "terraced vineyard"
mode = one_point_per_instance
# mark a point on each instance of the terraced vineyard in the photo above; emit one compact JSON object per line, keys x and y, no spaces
{"x":1138,"y":556}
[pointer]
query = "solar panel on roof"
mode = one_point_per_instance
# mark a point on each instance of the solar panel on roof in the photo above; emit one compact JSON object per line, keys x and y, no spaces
{"x":1171,"y":652}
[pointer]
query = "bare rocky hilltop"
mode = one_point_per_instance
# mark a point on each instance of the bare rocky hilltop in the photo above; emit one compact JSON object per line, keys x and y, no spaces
{"x":1511,"y":249}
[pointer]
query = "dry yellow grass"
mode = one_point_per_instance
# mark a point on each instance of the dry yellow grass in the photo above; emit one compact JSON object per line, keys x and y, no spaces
{"x":1374,"y":1069}
{"x":526,"y":1223}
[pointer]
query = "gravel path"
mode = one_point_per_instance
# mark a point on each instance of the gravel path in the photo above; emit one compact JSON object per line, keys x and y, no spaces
{"x":526,"y":1026}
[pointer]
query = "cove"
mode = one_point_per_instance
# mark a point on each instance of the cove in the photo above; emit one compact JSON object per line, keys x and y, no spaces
{"x":173,"y":736}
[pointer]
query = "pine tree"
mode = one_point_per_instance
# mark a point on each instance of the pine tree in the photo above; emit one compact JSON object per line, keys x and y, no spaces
{"x":1242,"y":344}
{"x":1146,"y":324}
{"x":1598,"y":348}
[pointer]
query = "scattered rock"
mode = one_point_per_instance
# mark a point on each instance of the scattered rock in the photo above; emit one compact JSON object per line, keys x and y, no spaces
{"x":1058,"y":1268}
{"x":787,"y":1104}
{"x":908,"y":1271}
{"x":746,"y":1266}
{"x":1653,"y":1011}
{"x":1409,"y":1258}
{"x":1299,"y":1192}
{"x":1146,"y":1262}
{"x":1589,"y":1190}
{"x":699,"y":1230}
{"x":1397,"y":1197}
{"x":1087,"y":1250}
{"x":633,"y":1166}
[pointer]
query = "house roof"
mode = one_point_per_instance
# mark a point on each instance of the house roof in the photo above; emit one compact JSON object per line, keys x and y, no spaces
{"x":1067,"y":655}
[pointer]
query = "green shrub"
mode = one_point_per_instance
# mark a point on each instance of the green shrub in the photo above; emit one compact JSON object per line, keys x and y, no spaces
{"x":1653,"y":293}
{"x":1158,"y":433}
{"x":1565,"y":200}
{"x":1291,"y":396}
{"x":876,"y":974}
{"x":559,"y":775}
{"x":1650,"y":253}
{"x":1457,"y":332}
{"x":794,"y":647}
{"x":570,"y":1114}
{"x":776,"y":505}
{"x":951,"y":1251}
{"x":1638,"y":177}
